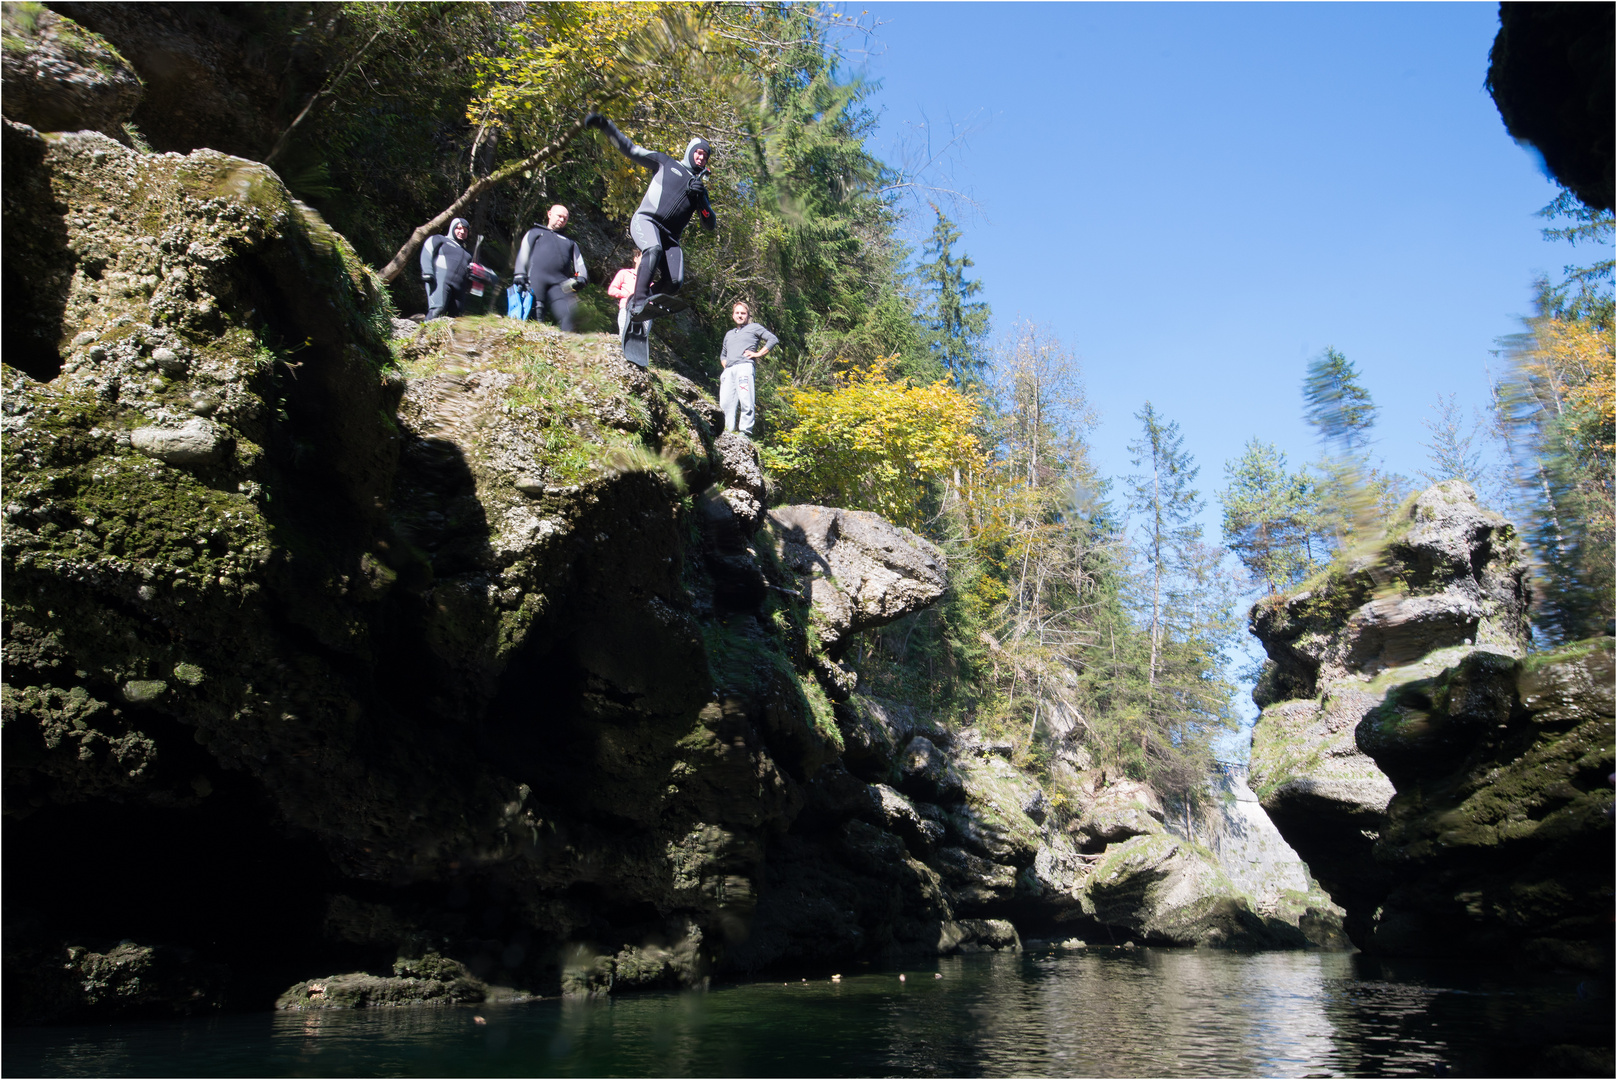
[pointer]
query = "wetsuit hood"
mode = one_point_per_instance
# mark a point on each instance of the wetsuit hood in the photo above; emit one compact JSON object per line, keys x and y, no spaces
{"x":450,"y":232}
{"x":691,"y":148}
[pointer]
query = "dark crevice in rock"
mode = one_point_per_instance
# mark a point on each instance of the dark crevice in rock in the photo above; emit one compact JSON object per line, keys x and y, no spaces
{"x":219,"y":877}
{"x":36,"y":262}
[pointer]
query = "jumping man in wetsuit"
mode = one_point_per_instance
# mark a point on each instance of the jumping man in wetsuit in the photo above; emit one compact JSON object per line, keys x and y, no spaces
{"x":677,"y":191}
{"x":552,"y":267}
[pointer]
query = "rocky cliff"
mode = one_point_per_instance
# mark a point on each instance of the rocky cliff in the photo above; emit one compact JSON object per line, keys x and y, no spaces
{"x":1449,"y":788}
{"x":400,"y":663}
{"x":466,"y":642}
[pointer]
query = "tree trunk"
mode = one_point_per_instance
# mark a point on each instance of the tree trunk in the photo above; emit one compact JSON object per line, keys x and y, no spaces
{"x":405,"y":253}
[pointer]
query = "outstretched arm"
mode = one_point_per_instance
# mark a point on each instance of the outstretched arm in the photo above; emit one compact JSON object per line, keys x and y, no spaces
{"x":626,"y":146}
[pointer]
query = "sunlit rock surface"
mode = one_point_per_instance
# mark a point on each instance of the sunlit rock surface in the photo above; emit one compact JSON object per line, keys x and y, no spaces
{"x":398,"y":628}
{"x":1449,"y":791}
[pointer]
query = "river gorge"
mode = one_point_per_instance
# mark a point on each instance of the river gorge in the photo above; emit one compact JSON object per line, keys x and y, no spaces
{"x":456,"y":698}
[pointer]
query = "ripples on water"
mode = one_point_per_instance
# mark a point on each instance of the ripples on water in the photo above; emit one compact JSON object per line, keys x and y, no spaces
{"x":1108,"y":1012}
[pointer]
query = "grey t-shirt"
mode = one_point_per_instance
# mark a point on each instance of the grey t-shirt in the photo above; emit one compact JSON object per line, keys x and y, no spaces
{"x":745,"y":339}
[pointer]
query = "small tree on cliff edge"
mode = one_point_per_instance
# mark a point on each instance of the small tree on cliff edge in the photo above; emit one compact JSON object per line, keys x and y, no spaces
{"x":1336,"y":404}
{"x":1341,"y":411}
{"x":1270,"y":517}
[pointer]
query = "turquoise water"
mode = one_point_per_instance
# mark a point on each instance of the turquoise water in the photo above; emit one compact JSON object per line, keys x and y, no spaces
{"x":1103,"y":1012}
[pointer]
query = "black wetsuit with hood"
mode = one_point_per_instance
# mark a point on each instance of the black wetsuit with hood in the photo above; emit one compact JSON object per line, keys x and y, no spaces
{"x":445,"y":266}
{"x":677,"y":191}
{"x":552,"y":266}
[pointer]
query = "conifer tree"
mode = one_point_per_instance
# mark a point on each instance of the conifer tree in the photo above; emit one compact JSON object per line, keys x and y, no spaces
{"x":1185,"y":599}
{"x":958,"y":324}
{"x":1337,"y":404}
{"x":1452,"y":450}
{"x":1554,"y":411}
{"x":1340,"y":409}
{"x":1163,"y":496}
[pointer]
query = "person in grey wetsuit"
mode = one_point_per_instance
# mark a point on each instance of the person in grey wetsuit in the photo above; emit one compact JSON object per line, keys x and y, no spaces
{"x":678,"y":189}
{"x":746,"y":343}
{"x":552,"y":267}
{"x":445,"y":266}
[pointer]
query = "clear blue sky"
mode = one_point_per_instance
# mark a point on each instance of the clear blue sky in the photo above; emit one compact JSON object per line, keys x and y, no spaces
{"x":1197,"y":198}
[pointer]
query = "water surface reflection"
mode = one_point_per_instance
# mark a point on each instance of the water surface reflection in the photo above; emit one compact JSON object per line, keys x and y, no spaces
{"x":1106,"y":1012}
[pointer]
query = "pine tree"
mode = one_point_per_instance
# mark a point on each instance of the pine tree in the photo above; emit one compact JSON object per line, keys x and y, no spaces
{"x":957,"y":323}
{"x":1452,"y":450}
{"x":1164,"y":497}
{"x":1337,"y":404}
{"x":1585,"y":293}
{"x":1554,"y":412}
{"x":1341,"y":411}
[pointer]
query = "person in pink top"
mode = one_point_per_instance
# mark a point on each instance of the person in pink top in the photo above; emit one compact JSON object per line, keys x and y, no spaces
{"x":622,"y":287}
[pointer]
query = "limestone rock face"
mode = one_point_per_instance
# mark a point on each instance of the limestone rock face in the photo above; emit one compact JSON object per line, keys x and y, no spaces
{"x":195,"y":442}
{"x":873,"y":732}
{"x":430,"y":980}
{"x":1251,"y":852}
{"x":453,"y":643}
{"x":1121,"y":810}
{"x":430,"y":614}
{"x":994,"y":816}
{"x":1159,"y":888}
{"x":742,"y":478}
{"x":58,"y":76}
{"x":898,"y":815}
{"x":211,"y":71}
{"x":928,"y":772}
{"x":1447,"y":573}
{"x":1421,"y":756}
{"x":1499,"y":839}
{"x":865,"y":571}
{"x":123,"y":980}
{"x":1327,"y":797}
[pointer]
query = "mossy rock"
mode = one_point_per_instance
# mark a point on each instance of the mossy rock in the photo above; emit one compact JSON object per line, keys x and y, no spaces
{"x":358,"y":990}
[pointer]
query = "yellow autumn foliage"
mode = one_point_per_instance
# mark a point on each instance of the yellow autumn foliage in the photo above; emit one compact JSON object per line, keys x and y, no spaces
{"x":656,"y":67}
{"x":558,"y":59}
{"x":874,"y":442}
{"x":1576,"y":358}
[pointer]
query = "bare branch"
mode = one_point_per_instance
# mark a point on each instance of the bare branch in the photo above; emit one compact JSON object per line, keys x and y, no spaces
{"x":324,"y":92}
{"x":925,"y":173}
{"x":499,"y":176}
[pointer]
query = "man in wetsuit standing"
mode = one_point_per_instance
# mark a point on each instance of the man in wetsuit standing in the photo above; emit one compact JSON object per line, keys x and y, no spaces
{"x":445,"y":266}
{"x":677,"y":190}
{"x":552,"y":268}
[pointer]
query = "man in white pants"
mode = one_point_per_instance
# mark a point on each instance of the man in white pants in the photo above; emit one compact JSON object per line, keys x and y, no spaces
{"x":746,"y":343}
